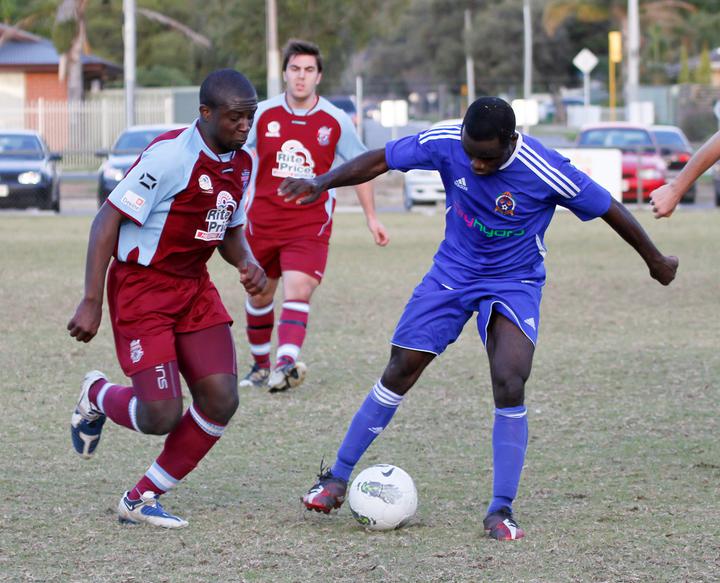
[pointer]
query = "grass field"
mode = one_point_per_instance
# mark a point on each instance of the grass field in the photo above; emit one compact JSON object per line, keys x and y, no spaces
{"x":623,"y":469}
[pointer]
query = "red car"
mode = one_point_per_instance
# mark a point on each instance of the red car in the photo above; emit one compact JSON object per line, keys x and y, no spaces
{"x":643,"y":167}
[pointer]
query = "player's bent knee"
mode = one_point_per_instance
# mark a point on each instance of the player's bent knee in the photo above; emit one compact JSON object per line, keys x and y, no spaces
{"x":509,"y":392}
{"x":217,"y":400}
{"x":155,"y":419}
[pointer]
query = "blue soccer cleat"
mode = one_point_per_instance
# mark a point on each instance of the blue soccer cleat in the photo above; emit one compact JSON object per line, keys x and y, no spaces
{"x":149,"y":510}
{"x":87,"y":421}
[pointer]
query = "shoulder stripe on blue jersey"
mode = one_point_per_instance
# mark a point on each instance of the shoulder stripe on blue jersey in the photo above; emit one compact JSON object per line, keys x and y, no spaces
{"x":455,"y":129}
{"x":440,"y":137}
{"x":552,"y":169}
{"x":543,"y":174}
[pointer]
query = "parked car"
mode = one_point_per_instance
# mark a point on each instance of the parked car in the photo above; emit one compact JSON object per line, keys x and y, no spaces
{"x":642,"y":165}
{"x":676,"y":151}
{"x":425,"y":186}
{"x":123,"y":154}
{"x":29,"y":176}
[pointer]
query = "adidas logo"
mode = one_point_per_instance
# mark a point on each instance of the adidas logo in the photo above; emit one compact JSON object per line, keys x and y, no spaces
{"x":460,"y":183}
{"x":376,"y":430}
{"x":530,"y":322}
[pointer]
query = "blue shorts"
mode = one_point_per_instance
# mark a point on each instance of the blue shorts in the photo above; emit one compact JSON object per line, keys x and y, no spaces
{"x":436,"y":313}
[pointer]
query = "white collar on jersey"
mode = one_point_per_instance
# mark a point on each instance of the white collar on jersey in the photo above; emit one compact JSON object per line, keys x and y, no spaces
{"x":299,"y":112}
{"x":518,"y":145}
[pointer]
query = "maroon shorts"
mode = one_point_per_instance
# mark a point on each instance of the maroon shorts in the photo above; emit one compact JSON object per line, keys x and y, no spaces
{"x":149,"y":308}
{"x":276,"y":256}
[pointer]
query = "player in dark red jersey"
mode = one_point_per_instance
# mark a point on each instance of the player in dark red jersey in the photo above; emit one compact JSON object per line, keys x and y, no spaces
{"x":297,"y":134}
{"x":180,"y":201}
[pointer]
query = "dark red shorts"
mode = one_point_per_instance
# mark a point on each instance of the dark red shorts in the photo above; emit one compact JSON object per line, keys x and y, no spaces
{"x":149,"y":308}
{"x":276,"y":256}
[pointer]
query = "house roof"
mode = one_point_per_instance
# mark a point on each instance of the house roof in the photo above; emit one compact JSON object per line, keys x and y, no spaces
{"x":23,"y":49}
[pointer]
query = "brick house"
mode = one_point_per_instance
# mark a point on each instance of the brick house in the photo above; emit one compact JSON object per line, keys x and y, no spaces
{"x":29,"y":66}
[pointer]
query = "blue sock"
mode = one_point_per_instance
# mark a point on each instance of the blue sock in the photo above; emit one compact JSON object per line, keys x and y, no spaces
{"x":369,"y":421}
{"x":510,"y":437}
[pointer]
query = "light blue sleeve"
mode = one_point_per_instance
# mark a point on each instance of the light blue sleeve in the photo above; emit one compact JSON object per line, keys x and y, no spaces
{"x":158,"y":175}
{"x":349,"y":145}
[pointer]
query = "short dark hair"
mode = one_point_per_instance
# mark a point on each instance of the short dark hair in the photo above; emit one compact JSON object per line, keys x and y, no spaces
{"x":301,"y":47}
{"x":221,"y":85}
{"x":488,"y":118}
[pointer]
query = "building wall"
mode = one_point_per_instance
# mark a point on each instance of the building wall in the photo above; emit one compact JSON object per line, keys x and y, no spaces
{"x":12,"y":89}
{"x":44,"y":85}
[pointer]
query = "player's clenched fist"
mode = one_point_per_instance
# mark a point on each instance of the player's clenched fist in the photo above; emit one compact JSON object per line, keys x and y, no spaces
{"x":253,"y":278}
{"x":85,"y":323}
{"x":664,"y":269}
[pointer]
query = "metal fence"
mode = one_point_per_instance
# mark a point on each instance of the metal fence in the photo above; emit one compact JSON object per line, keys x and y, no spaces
{"x":79,"y":129}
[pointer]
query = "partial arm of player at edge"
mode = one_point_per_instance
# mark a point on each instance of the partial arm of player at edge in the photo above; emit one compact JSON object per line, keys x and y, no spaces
{"x":356,"y":171}
{"x":366,"y":196}
{"x":666,"y":198}
{"x":662,"y":268}
{"x":83,"y":326}
{"x":235,"y":250}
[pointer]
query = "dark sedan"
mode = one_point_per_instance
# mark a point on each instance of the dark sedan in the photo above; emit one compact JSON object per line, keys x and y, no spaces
{"x":28,"y":172}
{"x":123,"y":154}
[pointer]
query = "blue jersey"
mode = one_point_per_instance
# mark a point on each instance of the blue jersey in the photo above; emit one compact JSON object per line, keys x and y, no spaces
{"x":495,"y":224}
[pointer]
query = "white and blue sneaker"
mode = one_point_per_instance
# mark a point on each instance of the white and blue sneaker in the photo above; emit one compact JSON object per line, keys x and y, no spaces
{"x":87,"y":421}
{"x":147,"y":509}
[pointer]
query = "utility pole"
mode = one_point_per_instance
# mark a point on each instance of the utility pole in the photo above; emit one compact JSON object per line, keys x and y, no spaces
{"x":273,"y":54}
{"x":528,"y":58}
{"x":469,"y":61}
{"x":633,"y":78}
{"x":129,"y":40}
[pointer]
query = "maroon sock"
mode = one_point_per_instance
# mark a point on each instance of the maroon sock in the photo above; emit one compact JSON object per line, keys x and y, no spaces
{"x":184,"y":447}
{"x":291,"y":330}
{"x":260,"y":323}
{"x":117,"y":402}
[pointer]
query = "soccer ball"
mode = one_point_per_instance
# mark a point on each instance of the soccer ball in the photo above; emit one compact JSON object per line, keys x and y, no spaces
{"x":383,"y":497}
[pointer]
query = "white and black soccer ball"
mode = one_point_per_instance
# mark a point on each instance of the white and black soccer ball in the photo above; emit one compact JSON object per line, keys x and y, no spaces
{"x":383,"y":497}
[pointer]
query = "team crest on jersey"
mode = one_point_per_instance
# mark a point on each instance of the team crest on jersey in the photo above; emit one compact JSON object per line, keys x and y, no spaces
{"x":217,"y":219}
{"x":505,"y":204}
{"x":245,"y":178}
{"x":205,"y":184}
{"x":136,"y":351}
{"x":273,"y":130}
{"x":294,"y":161}
{"x":323,"y":136}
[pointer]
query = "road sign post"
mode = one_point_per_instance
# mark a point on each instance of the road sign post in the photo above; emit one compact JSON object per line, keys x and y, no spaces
{"x":586,"y":61}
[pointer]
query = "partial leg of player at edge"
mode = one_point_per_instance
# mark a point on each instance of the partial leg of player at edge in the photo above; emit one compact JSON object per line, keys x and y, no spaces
{"x":153,"y":404}
{"x":287,"y":372}
{"x":510,"y":353}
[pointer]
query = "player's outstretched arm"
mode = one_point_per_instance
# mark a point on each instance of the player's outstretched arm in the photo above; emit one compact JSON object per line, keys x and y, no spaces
{"x":662,"y":267}
{"x":666,"y":198}
{"x":356,"y":171}
{"x":366,"y":195}
{"x":103,"y":238}
{"x":235,"y":250}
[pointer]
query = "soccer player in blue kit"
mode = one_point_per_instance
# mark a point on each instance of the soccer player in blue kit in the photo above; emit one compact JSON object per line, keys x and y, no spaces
{"x":502,"y":189}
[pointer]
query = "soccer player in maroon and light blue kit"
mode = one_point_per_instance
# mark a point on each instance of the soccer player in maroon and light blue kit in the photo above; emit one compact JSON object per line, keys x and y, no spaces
{"x":178,"y":203}
{"x":502,"y":189}
{"x":297,"y":134}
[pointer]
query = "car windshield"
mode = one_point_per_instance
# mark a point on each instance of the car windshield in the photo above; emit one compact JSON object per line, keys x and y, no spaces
{"x":135,"y":141}
{"x":671,"y":140}
{"x":20,"y":146}
{"x":625,"y":139}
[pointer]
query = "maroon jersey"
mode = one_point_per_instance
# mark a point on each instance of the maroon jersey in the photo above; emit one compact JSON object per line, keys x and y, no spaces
{"x":296,"y":144}
{"x":179,"y":198}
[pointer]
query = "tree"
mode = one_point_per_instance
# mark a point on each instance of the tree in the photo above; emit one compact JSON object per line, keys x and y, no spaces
{"x":703,"y":71}
{"x":684,"y":75}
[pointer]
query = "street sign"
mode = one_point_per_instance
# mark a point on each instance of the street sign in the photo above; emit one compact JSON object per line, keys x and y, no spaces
{"x":585,"y":60}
